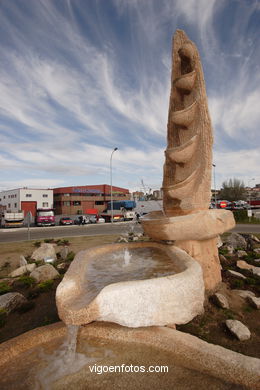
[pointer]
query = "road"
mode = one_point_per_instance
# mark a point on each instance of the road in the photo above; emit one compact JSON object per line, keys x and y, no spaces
{"x":37,"y":233}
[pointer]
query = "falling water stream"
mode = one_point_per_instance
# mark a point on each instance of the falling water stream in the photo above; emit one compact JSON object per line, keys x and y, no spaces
{"x":64,"y":361}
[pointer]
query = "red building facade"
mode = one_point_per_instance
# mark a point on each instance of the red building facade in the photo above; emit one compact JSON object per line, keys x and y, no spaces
{"x":86,"y":199}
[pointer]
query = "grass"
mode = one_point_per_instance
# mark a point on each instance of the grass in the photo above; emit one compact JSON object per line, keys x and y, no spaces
{"x":4,"y":288}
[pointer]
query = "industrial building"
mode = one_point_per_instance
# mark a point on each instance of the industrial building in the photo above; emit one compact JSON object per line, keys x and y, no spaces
{"x":26,"y":199}
{"x":86,"y":199}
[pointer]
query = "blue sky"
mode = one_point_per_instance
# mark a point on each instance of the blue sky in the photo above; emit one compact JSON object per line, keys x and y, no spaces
{"x":80,"y":77}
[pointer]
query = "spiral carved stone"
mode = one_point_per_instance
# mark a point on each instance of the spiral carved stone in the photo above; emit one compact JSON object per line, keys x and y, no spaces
{"x":188,"y":157}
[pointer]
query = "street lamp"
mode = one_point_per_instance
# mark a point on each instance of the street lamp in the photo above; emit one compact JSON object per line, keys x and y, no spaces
{"x":111,"y":190}
{"x":215,"y":194}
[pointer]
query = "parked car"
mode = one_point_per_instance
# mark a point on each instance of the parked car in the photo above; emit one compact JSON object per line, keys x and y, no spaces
{"x":101,"y":220}
{"x":66,"y":221}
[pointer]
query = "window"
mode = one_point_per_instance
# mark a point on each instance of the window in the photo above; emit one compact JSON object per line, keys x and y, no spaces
{"x":15,"y":205}
{"x":45,"y":195}
{"x":9,"y":205}
{"x":98,"y":202}
{"x":28,"y":195}
{"x":76,"y":203}
{"x":45,"y":204}
{"x":66,"y":194}
{"x":66,"y":203}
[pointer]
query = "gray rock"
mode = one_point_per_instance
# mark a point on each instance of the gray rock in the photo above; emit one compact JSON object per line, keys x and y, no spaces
{"x":11,"y":301}
{"x":244,"y":293}
{"x":256,"y":239}
{"x":219,"y":242}
{"x":122,"y":239}
{"x":230,"y":249}
{"x":235,"y":274}
{"x":254,"y":301}
{"x":22,"y":270}
{"x":241,"y":253}
{"x":238,"y":329}
{"x":220,"y":300}
{"x":257,"y":260}
{"x":44,"y":272}
{"x":62,"y":266}
{"x":236,"y":241}
{"x":257,"y":250}
{"x":256,"y":271}
{"x":223,"y":259}
{"x":64,"y":252}
{"x":23,"y":261}
{"x":244,"y":265}
{"x":45,"y":250}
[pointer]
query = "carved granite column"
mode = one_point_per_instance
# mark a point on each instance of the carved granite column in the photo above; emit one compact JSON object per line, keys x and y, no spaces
{"x":186,"y":218}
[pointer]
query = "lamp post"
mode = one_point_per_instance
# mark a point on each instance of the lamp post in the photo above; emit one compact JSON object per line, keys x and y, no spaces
{"x":111,"y":188}
{"x":215,"y":194}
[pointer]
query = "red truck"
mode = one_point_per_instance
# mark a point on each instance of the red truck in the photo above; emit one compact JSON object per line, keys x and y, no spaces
{"x":45,"y":217}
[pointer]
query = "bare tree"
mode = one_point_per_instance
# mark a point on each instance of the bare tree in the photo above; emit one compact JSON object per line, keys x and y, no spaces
{"x":233,"y":189}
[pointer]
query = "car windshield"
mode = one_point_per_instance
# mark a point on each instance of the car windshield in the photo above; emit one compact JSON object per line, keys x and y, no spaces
{"x":66,"y":219}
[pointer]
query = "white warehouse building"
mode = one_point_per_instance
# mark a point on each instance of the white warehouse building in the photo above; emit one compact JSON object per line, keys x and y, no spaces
{"x":26,"y":199}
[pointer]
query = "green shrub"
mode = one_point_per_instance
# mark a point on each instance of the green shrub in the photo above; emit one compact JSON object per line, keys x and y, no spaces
{"x":237,"y":283}
{"x":37,"y":244}
{"x":70,"y":256}
{"x":241,"y":216}
{"x":45,"y":286}
{"x":49,"y":240}
{"x":27,"y":281}
{"x":4,"y":288}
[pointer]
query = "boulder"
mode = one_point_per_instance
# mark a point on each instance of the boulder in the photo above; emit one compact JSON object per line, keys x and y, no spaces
{"x":22,"y":270}
{"x":256,"y":271}
{"x":62,"y":266}
{"x":44,"y":272}
{"x":236,"y":241}
{"x":64,"y":252}
{"x":256,"y":239}
{"x":238,"y":329}
{"x":45,"y":250}
{"x":244,"y":293}
{"x":241,"y":253}
{"x":11,"y":301}
{"x":23,"y":261}
{"x":244,"y":265}
{"x":219,"y":242}
{"x":257,"y":250}
{"x":254,"y":301}
{"x":235,"y":274}
{"x":220,"y":300}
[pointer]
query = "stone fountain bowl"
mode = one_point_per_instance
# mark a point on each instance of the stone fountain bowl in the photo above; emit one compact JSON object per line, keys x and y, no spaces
{"x":192,"y":363}
{"x":166,"y":300}
{"x":200,"y":225}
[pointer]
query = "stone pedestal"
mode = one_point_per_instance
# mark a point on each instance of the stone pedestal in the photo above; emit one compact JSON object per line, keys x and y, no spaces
{"x":197,"y":234}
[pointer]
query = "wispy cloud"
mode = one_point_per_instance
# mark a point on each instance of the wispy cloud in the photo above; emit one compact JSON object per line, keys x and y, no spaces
{"x":78,"y":79}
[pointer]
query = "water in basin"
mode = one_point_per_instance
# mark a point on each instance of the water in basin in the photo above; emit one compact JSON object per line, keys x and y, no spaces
{"x":126,"y":265}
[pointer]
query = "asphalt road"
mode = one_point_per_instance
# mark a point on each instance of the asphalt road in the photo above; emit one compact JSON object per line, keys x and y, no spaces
{"x":36,"y":233}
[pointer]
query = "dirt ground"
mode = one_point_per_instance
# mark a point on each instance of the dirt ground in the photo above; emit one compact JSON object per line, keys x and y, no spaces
{"x":41,"y":308}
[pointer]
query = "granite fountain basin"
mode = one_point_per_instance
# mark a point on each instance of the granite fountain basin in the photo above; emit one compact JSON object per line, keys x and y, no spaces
{"x":27,"y":362}
{"x":171,"y":292}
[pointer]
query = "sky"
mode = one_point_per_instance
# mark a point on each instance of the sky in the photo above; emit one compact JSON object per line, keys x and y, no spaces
{"x":81,"y":77}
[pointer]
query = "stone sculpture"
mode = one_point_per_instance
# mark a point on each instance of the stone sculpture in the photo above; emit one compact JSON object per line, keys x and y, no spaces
{"x":187,"y":170}
{"x":186,"y":219}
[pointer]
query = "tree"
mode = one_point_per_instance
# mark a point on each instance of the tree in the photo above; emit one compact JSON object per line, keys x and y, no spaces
{"x":233,"y":189}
